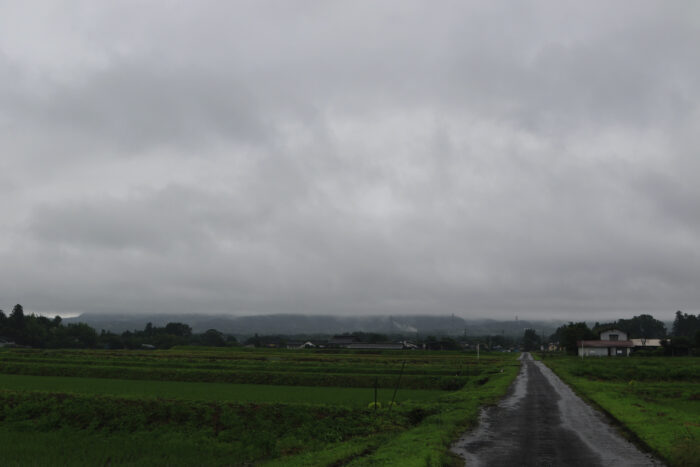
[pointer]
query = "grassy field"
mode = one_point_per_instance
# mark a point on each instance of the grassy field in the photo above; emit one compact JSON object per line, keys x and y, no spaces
{"x":146,"y":408}
{"x":655,"y":398}
{"x":355,"y":397}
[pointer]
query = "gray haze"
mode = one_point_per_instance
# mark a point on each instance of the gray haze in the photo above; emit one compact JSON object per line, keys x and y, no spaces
{"x":487,"y":159}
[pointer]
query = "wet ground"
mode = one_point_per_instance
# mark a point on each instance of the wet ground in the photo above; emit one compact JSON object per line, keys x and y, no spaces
{"x":541,"y":422}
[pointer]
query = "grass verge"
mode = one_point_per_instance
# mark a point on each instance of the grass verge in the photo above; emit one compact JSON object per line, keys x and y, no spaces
{"x":663,"y":414}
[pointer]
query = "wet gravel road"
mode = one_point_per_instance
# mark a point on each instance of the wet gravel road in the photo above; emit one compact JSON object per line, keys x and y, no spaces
{"x":541,"y":422}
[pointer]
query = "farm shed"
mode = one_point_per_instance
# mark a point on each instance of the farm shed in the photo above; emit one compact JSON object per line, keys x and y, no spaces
{"x":612,"y":343}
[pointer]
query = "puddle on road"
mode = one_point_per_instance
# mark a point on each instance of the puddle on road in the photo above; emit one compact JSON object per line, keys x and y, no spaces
{"x":518,"y":390}
{"x":576,"y":433}
{"x":483,"y":434}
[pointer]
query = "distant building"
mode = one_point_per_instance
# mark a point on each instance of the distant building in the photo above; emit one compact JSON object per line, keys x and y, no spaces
{"x":342,"y":341}
{"x":612,"y":343}
{"x":353,"y":343}
{"x":6,"y":343}
{"x":376,"y":346}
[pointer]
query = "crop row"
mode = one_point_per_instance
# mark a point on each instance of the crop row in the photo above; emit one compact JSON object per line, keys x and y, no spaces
{"x":274,"y":366}
{"x":257,"y":430}
{"x":297,"y":357}
{"x":240,"y":377}
{"x":145,"y":428}
{"x":627,"y":369}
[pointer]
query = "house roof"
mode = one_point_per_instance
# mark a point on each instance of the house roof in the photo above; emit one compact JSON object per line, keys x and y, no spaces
{"x":605,"y":344}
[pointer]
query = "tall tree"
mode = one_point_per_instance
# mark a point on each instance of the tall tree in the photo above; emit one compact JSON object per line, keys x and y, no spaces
{"x":643,"y":327}
{"x":16,"y":324}
{"x":686,"y":325}
{"x":531,"y":341}
{"x":568,"y":334}
{"x":178,"y":329}
{"x":17,"y":315}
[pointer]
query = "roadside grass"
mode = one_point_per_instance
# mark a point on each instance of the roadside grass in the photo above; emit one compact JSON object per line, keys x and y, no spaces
{"x":353,"y":397}
{"x":663,"y":413}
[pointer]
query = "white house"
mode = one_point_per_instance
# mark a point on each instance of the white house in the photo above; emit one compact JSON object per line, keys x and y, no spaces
{"x":612,"y":343}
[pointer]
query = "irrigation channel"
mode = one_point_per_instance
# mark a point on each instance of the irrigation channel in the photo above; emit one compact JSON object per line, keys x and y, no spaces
{"x":541,"y":422}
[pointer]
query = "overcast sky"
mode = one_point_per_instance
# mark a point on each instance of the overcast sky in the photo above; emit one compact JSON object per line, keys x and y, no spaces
{"x":487,"y":159}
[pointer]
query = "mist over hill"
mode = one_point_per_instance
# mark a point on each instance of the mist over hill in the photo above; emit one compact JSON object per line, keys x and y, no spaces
{"x":291,"y":324}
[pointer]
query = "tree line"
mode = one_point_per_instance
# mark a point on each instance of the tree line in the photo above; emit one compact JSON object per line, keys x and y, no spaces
{"x":42,"y":332}
{"x":684,"y":338}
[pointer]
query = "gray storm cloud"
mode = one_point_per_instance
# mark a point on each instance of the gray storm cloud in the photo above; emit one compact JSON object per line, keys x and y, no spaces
{"x":353,"y":157}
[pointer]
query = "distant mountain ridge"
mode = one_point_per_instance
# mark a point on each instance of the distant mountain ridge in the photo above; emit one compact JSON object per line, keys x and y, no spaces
{"x":290,"y":324}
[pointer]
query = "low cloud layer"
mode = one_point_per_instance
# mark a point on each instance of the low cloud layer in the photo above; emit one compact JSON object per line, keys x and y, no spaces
{"x":351,"y":157}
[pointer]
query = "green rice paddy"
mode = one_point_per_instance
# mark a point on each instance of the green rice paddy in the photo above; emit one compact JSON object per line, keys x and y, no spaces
{"x":355,"y":397}
{"x":193,"y":406}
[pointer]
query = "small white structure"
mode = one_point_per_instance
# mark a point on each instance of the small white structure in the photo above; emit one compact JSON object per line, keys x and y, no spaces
{"x":646,"y":343}
{"x":300,"y":345}
{"x":612,"y":343}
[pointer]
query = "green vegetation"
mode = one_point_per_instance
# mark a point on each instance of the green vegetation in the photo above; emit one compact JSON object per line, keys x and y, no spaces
{"x":354,"y":397}
{"x":638,"y":327}
{"x":684,"y":339}
{"x":568,"y":334}
{"x":656,"y":398}
{"x":42,"y":332}
{"x":142,"y":409}
{"x":433,"y":370}
{"x":531,"y":341}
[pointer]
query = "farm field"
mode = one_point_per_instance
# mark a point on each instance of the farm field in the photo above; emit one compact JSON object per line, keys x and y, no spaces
{"x":193,"y":406}
{"x":356,"y":397}
{"x":655,"y":398}
{"x":289,"y":368}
